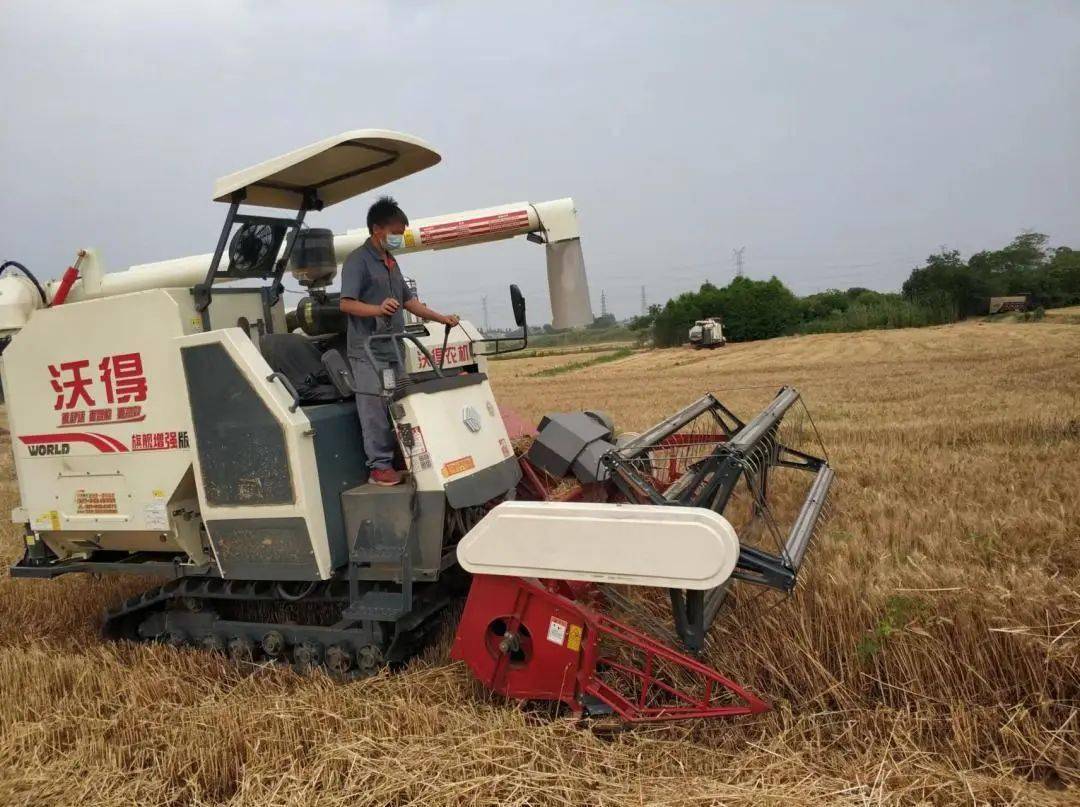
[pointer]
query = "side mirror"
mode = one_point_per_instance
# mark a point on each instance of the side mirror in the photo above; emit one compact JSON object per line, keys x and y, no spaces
{"x":517,"y":302}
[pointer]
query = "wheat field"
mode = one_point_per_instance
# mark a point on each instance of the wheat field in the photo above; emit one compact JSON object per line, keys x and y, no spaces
{"x":931,"y":654}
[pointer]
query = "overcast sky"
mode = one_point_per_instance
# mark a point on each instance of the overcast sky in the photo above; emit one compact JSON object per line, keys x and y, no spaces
{"x":839,"y":143}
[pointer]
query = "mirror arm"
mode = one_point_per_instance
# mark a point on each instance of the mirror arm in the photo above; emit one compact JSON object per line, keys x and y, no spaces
{"x":524,"y":339}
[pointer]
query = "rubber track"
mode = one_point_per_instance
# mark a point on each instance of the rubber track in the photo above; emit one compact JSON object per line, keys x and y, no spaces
{"x":124,"y":620}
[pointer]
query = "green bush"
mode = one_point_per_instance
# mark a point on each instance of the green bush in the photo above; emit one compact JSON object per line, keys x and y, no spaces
{"x":944,"y":289}
{"x":880,"y":311}
{"x":750,"y":309}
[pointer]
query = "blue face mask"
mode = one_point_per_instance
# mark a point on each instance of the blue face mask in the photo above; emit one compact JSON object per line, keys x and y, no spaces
{"x":395,"y":241}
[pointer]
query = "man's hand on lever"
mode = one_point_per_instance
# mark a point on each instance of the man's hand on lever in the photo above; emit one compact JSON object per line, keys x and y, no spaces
{"x":416,"y":307}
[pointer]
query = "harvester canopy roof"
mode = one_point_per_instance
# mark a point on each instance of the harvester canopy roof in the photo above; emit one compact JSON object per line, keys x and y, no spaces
{"x":333,"y":170}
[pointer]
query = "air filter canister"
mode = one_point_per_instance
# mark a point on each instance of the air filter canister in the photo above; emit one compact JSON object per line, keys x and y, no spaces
{"x":312,"y":261}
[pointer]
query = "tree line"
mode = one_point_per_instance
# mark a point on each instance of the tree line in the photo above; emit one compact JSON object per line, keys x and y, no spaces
{"x":944,"y":289}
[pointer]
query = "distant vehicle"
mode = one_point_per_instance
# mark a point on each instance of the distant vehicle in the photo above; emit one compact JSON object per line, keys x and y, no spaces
{"x":707,"y":333}
{"x":1014,"y":302}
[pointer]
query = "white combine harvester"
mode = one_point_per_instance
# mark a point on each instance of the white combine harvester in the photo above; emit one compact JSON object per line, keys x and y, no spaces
{"x":707,"y":333}
{"x":171,"y":422}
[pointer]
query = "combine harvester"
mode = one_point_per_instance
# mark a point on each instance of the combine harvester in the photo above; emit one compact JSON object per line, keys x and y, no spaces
{"x":707,"y":333}
{"x":170,"y":422}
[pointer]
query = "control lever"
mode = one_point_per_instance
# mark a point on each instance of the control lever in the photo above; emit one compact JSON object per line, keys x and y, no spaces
{"x":445,"y":339}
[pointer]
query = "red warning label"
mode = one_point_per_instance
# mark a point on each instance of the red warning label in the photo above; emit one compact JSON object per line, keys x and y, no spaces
{"x":474,"y":228}
{"x":557,"y":631}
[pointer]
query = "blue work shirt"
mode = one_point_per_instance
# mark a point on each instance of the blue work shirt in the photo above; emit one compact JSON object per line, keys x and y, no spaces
{"x":370,"y":278}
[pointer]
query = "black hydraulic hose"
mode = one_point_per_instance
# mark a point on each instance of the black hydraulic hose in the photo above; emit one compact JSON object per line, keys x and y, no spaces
{"x":29,"y":274}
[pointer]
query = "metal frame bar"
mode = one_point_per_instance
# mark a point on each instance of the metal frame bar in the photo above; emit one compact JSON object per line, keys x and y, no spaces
{"x":132,"y":564}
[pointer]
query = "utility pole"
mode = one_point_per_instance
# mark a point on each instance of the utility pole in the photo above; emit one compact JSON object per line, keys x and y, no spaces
{"x":644,"y":304}
{"x":603,"y":303}
{"x":738,"y":254}
{"x":487,"y":325}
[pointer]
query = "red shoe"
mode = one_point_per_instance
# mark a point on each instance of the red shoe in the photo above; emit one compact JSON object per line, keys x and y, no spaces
{"x":387,"y":477}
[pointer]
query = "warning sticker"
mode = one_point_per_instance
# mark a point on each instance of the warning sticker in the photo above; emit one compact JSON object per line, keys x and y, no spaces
{"x":557,"y":631}
{"x":414,"y":447}
{"x":458,"y":466}
{"x":46,"y":521}
{"x":419,"y":446}
{"x":155,"y":517}
{"x":573,"y":639}
{"x":462,"y":229}
{"x":89,"y":503}
{"x":504,"y":444}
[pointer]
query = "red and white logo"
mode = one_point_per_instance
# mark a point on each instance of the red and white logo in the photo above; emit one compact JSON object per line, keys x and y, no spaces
{"x":110,"y":393}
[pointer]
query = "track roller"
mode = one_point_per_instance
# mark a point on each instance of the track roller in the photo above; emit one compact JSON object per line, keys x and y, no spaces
{"x":307,"y":655}
{"x":241,"y":649}
{"x":273,"y":644}
{"x":338,"y":659}
{"x":369,"y":659}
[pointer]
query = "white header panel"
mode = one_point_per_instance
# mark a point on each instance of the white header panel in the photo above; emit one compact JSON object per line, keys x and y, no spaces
{"x":632,"y":544}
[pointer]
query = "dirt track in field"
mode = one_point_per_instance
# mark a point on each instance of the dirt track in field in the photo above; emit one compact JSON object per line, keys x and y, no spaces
{"x":930,"y":655}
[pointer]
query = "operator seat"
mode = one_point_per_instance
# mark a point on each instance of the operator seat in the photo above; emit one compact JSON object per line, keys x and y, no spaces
{"x":294,"y":356}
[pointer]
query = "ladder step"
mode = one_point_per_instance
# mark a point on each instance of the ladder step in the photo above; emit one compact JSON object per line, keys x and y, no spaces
{"x":384,"y":606}
{"x":380,"y":553}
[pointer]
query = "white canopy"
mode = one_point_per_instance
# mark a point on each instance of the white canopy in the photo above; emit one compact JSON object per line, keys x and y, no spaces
{"x":334,"y":169}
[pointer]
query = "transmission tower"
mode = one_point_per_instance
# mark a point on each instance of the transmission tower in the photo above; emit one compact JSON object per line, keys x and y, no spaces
{"x":483,"y":302}
{"x":603,"y":303}
{"x":738,"y":255}
{"x":644,"y":304}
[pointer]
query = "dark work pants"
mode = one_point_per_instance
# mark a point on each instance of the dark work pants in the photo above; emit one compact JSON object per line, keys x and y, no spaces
{"x":375,"y":426}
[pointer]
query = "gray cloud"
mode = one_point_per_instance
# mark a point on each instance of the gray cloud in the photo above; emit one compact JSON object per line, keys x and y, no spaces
{"x":839,"y":143}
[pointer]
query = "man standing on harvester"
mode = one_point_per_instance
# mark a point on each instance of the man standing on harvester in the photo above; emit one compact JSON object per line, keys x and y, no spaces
{"x":373,"y":293}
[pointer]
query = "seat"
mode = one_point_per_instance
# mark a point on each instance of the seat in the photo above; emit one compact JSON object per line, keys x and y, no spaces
{"x":294,"y":356}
